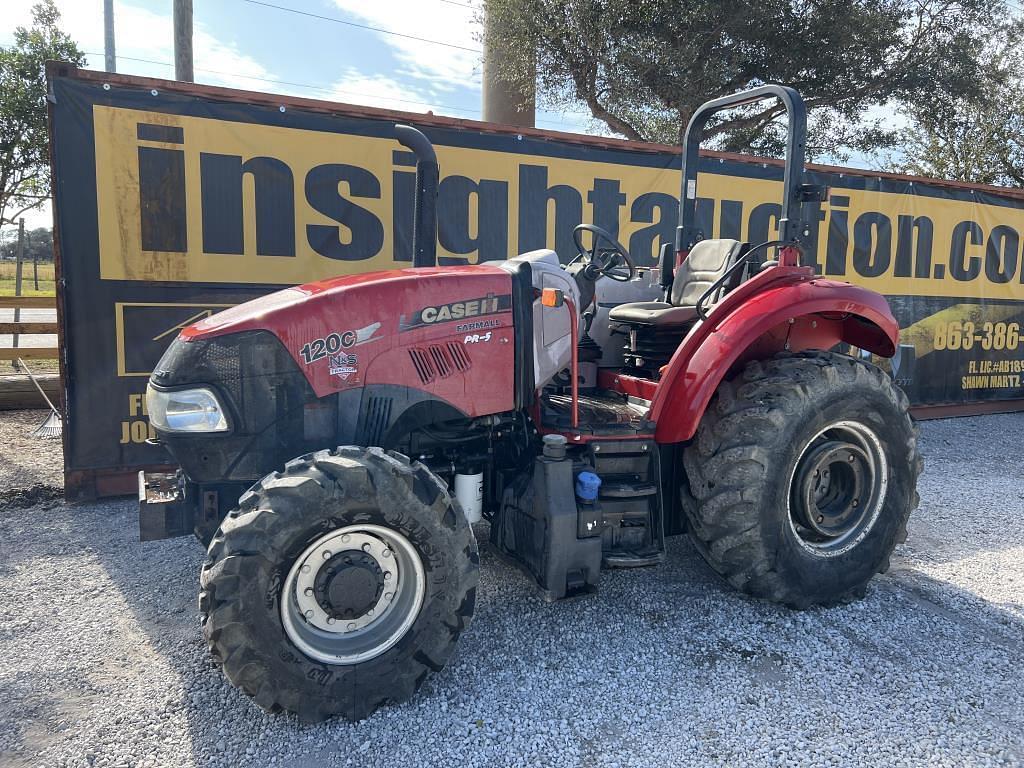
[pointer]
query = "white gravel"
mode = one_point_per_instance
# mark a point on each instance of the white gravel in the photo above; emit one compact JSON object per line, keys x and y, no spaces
{"x":27,"y":461}
{"x":102,"y":662}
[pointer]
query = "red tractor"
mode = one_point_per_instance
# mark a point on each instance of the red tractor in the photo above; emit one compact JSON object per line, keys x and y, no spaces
{"x":582,"y":425}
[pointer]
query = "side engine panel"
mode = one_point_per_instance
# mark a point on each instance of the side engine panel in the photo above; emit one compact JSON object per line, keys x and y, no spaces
{"x":446,"y":332}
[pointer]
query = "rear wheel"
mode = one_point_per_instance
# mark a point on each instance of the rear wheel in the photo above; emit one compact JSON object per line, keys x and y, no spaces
{"x":339,"y":584}
{"x":803,"y":476}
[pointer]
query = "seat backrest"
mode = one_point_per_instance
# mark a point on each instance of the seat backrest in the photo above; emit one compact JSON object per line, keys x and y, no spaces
{"x":707,"y":262}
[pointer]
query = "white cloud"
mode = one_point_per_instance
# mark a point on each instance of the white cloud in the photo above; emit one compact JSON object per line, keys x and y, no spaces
{"x":142,"y":34}
{"x":443,"y":67}
{"x":355,"y":87}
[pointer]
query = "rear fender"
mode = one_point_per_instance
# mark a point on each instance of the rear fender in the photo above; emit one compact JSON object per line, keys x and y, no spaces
{"x":793,"y":314}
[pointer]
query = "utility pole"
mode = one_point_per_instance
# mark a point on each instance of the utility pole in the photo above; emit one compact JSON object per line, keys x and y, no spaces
{"x":502,"y":101}
{"x":109,"y":56}
{"x":183,"y":41}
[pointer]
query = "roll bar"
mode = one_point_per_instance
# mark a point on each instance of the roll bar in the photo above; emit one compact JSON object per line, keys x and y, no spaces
{"x":795,"y":192}
{"x":424,"y":223}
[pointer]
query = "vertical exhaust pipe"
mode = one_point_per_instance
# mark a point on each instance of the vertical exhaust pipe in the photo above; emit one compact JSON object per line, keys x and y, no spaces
{"x":424,"y":223}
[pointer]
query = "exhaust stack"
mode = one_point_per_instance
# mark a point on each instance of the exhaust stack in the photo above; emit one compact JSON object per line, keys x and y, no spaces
{"x":424,"y":224}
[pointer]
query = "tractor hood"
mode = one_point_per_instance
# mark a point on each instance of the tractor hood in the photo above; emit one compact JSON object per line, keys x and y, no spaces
{"x":426,"y":328}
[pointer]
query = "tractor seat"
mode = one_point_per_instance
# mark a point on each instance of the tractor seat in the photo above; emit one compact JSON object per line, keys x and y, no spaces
{"x":707,"y":262}
{"x":652,"y":313}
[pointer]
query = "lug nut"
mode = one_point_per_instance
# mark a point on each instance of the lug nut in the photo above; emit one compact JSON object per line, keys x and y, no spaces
{"x":351,"y":626}
{"x":851,"y":457}
{"x":387,"y":575}
{"x":821,"y":518}
{"x":856,"y":502}
{"x":366,"y":547}
{"x":309,"y":592}
{"x":345,"y":538}
{"x":388,"y":595}
{"x":305,"y":568}
{"x":309,"y":614}
{"x":330,"y":619}
{"x":370,"y":612}
{"x":386,"y":553}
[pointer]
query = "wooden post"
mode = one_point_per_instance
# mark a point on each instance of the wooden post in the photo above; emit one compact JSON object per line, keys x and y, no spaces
{"x":19,"y":256}
{"x":109,"y":55}
{"x":35,"y":261}
{"x":183,"y":41}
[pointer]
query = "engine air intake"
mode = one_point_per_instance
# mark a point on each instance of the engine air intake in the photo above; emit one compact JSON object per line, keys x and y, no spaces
{"x":439,"y":361}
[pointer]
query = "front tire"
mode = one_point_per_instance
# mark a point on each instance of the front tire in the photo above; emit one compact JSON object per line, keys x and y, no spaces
{"x":803,"y":475}
{"x":339,"y":584}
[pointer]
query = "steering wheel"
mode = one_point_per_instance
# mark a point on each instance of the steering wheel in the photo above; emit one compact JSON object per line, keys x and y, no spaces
{"x":603,"y":261}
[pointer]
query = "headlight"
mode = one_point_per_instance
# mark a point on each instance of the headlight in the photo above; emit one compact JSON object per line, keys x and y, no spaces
{"x":185,"y":410}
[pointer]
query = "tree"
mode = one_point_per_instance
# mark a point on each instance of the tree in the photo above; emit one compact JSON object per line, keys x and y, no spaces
{"x":38,"y":244}
{"x":976,"y":137}
{"x":643,"y":66}
{"x":24,"y":161}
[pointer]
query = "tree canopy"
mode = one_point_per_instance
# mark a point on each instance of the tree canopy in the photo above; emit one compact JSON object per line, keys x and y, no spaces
{"x":977,"y":136}
{"x":24,"y":161}
{"x":643,"y":66}
{"x":38,"y":244}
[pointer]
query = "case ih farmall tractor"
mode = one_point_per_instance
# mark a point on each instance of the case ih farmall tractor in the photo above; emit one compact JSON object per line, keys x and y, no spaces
{"x":582,"y":426}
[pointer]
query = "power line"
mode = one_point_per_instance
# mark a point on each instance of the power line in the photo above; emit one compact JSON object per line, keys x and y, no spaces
{"x":363,"y":26}
{"x":321,"y":88}
{"x":324,"y":89}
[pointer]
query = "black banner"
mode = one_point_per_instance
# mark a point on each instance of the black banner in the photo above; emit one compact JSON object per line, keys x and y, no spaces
{"x":173,"y":204}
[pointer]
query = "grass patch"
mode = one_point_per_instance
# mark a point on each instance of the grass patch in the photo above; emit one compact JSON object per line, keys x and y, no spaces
{"x":8,"y":275}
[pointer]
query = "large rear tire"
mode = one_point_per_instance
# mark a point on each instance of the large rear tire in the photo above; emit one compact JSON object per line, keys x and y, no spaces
{"x":803,"y":475}
{"x":339,"y":584}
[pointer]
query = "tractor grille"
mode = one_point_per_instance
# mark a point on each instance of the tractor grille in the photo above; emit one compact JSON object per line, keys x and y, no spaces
{"x":439,"y":361}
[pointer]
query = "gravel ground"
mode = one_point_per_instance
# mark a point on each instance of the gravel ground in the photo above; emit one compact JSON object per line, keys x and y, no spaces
{"x":26,"y":461}
{"x":102,"y":662}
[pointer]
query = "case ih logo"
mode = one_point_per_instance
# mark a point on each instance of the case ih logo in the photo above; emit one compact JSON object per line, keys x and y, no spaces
{"x":456,"y":310}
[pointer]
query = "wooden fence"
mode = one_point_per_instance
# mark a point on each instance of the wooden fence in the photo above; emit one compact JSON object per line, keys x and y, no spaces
{"x":28,"y":327}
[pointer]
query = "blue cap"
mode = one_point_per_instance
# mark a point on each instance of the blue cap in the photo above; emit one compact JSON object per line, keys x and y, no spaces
{"x":587,"y":485}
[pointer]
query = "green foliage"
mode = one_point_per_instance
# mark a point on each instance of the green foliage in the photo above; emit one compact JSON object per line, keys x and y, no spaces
{"x":643,"y":66}
{"x":975,"y":137}
{"x":38,"y":244}
{"x":24,"y":161}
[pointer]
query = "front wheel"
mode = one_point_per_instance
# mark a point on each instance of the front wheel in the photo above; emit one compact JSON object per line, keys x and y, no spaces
{"x":803,"y":476}
{"x":339,"y":584}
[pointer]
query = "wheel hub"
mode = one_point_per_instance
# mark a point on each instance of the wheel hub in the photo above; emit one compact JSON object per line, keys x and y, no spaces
{"x":353,"y":593}
{"x":349,"y":585}
{"x":837,"y":487}
{"x":831,"y":480}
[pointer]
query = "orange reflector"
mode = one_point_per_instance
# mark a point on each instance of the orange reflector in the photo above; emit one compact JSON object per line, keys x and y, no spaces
{"x":552,"y":297}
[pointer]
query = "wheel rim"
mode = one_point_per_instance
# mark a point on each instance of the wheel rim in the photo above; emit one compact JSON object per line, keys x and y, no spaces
{"x":352,"y":594}
{"x":837,"y":488}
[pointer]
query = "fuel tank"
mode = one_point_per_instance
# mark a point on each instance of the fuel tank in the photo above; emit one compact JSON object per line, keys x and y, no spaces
{"x":448,"y":332}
